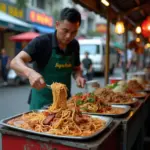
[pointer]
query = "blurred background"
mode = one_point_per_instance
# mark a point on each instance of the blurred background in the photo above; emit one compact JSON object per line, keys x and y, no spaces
{"x":23,"y":20}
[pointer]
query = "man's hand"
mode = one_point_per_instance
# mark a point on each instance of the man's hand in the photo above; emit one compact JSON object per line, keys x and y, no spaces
{"x":36,"y":80}
{"x":80,"y":81}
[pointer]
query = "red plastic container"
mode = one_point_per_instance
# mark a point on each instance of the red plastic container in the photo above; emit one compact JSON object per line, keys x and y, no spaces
{"x":114,"y":79}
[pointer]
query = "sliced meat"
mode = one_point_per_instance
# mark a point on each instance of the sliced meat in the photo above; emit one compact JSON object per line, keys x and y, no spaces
{"x":48,"y":119}
{"x":81,"y":119}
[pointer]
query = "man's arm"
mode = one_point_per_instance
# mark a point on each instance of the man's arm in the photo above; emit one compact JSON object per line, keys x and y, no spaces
{"x":19,"y":65}
{"x":77,"y":72}
{"x":91,"y":67}
{"x":78,"y":77}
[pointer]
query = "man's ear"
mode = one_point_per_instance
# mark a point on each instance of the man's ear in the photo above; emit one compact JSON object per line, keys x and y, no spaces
{"x":57,"y":24}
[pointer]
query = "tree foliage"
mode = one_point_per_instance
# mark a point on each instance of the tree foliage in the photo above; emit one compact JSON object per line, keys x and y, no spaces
{"x":21,"y":3}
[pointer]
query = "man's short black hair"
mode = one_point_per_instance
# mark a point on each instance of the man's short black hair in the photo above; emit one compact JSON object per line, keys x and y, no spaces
{"x":70,"y":14}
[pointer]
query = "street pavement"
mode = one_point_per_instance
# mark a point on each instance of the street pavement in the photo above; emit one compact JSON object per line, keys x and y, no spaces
{"x":13,"y":99}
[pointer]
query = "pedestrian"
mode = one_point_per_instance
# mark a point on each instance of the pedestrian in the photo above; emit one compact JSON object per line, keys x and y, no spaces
{"x":87,"y":69}
{"x":129,"y":58}
{"x":4,"y":61}
{"x":122,"y":63}
{"x":56,"y":57}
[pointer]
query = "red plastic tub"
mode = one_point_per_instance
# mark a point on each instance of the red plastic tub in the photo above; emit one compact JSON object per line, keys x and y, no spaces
{"x":114,"y":79}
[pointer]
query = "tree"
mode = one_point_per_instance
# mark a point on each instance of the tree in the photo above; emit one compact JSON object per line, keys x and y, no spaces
{"x":21,"y":3}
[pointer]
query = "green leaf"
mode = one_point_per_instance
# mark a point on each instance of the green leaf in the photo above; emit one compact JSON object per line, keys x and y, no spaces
{"x":112,"y":86}
{"x":109,"y":86}
{"x":79,"y":94}
{"x":84,"y":108}
{"x":115,"y":84}
{"x":79,"y":102}
{"x":91,"y":100}
{"x":92,"y":94}
{"x":21,"y":3}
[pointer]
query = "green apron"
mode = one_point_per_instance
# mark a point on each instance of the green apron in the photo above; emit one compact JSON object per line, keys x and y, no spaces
{"x":58,"y":69}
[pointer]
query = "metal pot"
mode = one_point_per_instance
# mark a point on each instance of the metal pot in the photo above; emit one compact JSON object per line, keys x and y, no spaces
{"x":92,"y":85}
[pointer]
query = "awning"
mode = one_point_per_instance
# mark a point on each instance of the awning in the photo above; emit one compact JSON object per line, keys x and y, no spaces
{"x":43,"y":29}
{"x":26,"y":37}
{"x":13,"y":23}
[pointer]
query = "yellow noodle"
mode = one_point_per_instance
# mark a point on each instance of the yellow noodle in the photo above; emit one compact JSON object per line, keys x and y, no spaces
{"x":66,"y":121}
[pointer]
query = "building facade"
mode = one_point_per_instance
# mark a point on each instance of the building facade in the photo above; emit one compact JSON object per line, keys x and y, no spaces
{"x":41,"y":15}
{"x":14,"y":20}
{"x":53,"y":7}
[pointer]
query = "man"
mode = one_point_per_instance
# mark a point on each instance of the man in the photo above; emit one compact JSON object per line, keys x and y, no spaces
{"x":4,"y":65}
{"x":122,"y":63}
{"x":56,"y":56}
{"x":87,"y":67}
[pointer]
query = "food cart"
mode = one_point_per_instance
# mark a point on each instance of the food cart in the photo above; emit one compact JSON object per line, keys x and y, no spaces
{"x":123,"y":133}
{"x":22,"y":140}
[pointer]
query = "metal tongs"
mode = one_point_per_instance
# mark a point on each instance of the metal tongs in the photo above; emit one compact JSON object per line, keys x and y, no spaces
{"x":48,"y":86}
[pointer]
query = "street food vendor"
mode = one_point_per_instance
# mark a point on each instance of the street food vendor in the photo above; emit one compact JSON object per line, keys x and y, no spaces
{"x":55,"y":56}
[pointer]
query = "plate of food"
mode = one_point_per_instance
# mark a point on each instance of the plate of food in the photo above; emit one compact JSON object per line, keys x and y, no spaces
{"x":135,"y":86}
{"x":59,"y":120}
{"x":91,"y":104}
{"x":108,"y":96}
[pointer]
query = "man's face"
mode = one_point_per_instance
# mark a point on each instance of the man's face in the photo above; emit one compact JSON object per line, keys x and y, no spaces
{"x":3,"y":52}
{"x":119,"y":51}
{"x":66,"y":31}
{"x":86,"y":55}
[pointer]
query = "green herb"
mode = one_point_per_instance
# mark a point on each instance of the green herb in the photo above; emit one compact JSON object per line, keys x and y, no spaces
{"x":112,"y":86}
{"x":91,"y":100}
{"x":79,"y":94}
{"x":79,"y":102}
{"x":115,"y":84}
{"x":92,"y":94}
{"x":84,"y":108}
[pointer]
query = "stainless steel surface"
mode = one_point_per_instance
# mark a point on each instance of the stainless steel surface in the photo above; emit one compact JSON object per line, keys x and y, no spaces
{"x":48,"y":86}
{"x":92,"y":85}
{"x":107,"y":119}
{"x":126,"y":107}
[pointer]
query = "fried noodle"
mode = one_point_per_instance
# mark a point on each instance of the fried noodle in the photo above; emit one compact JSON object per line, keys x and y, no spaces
{"x":59,"y":119}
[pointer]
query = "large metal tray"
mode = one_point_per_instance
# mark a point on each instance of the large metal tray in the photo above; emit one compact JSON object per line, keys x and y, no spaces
{"x":131,"y":103}
{"x":107,"y":119}
{"x":126,"y":110}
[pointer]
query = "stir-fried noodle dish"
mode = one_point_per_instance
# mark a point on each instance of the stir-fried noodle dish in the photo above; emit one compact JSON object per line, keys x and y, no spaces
{"x":110,"y":97}
{"x":134,"y":85}
{"x":90,"y":103}
{"x":59,"y":119}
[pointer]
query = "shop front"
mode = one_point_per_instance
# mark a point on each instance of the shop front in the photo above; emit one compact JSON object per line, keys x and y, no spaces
{"x":11,"y":23}
{"x":41,"y":22}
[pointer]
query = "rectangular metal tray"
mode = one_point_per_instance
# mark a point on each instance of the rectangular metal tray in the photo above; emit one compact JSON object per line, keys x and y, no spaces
{"x":107,"y":119}
{"x":126,"y":107}
{"x":131,"y":103}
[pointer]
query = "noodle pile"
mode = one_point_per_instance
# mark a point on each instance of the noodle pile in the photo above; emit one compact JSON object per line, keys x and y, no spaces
{"x":89,"y":102}
{"x":59,"y":92}
{"x":59,"y":119}
{"x":134,"y":85}
{"x":108,"y":96}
